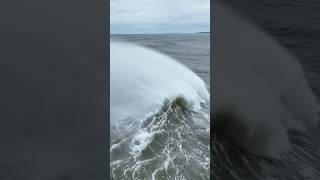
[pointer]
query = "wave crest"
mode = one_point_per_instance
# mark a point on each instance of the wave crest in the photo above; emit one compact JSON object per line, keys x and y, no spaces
{"x":141,"y":80}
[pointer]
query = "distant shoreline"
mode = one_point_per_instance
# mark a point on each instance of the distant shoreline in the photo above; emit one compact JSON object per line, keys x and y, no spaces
{"x":157,"y":33}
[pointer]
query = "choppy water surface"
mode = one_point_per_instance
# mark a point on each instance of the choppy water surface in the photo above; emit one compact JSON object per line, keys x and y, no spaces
{"x":160,"y":118}
{"x":295,"y":25}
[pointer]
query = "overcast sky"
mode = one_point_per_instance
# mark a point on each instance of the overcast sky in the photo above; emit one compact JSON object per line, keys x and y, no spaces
{"x":159,"y":16}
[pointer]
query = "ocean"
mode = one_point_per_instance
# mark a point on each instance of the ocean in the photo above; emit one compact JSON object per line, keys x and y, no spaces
{"x":160,"y":106}
{"x":294,"y":24}
{"x":193,"y":50}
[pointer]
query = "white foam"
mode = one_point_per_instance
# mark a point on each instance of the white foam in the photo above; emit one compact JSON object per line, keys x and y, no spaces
{"x":141,"y":79}
{"x":140,"y":141}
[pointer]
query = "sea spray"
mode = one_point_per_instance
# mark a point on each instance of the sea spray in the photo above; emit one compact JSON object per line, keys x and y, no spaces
{"x":160,"y":124}
{"x":142,"y":79}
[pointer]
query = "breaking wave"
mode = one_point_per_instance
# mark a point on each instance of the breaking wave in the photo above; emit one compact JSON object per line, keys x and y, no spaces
{"x":160,"y":124}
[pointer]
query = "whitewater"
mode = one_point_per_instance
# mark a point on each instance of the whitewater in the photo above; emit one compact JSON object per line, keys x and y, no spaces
{"x":160,"y":124}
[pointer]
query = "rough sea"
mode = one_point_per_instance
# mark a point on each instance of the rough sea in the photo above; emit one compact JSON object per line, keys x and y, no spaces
{"x":172,"y":140}
{"x":294,"y":24}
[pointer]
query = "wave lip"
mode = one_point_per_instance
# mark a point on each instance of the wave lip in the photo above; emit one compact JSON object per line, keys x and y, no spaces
{"x":141,"y":79}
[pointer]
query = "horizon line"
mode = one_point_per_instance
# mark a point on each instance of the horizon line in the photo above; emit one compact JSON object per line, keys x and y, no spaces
{"x":204,"y":32}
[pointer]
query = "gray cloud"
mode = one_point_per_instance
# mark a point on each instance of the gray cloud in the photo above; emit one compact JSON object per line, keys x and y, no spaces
{"x":147,"y":15}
